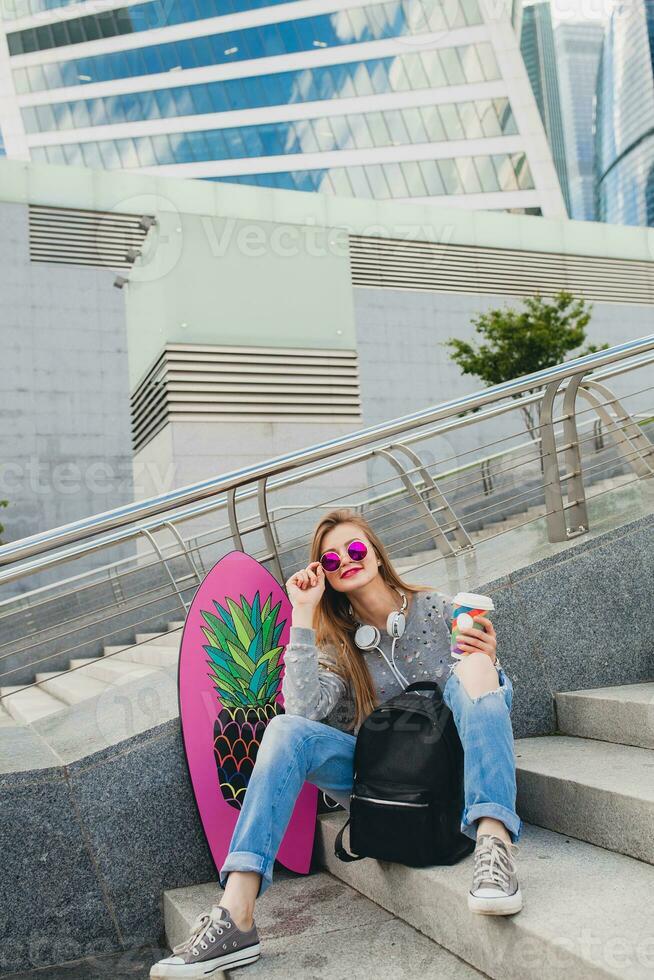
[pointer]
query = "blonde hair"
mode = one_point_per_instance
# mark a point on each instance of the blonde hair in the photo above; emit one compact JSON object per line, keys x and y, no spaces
{"x":333,"y":623}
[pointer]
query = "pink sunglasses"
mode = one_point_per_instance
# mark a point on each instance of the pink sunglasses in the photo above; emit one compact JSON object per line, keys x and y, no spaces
{"x":331,"y":560}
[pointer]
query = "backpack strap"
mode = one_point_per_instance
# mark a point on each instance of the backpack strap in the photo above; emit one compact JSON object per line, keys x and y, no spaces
{"x":422,"y":686}
{"x":340,"y":851}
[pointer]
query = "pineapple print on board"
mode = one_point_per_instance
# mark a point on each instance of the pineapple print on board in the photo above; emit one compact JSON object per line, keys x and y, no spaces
{"x":245,"y":660}
{"x":231,"y":665}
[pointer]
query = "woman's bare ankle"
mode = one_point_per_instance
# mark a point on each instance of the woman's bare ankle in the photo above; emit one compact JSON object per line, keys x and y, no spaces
{"x":488,"y":825}
{"x":239,"y":897}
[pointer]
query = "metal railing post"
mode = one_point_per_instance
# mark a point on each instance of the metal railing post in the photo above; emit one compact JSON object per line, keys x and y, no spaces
{"x":575,"y":512}
{"x":267,"y":529}
{"x":433,"y":489}
{"x":185,"y":551}
{"x":632,"y":444}
{"x":233,"y":519}
{"x":116,"y":587}
{"x":434,"y":528}
{"x":486,"y":476}
{"x":150,"y":537}
{"x":556,"y":527}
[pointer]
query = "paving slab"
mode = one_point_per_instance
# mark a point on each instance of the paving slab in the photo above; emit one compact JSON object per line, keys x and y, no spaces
{"x":131,"y":964}
{"x":317,"y":928}
{"x":23,"y":751}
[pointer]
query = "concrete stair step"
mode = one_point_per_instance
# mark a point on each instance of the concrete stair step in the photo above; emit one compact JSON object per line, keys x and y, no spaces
{"x":613,"y":714}
{"x":495,"y":524}
{"x":177,"y":624}
{"x":305,"y":934}
{"x":113,"y":670}
{"x":586,"y":913}
{"x":148,"y":653}
{"x":161,"y":639}
{"x":612,"y":482}
{"x":596,"y":791}
{"x":147,"y":699}
{"x":492,"y":526}
{"x":115,"y":648}
{"x":71,"y":688}
{"x":31,"y":703}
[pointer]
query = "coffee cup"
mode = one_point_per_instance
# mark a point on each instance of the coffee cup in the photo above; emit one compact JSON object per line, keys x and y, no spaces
{"x":465,"y":606}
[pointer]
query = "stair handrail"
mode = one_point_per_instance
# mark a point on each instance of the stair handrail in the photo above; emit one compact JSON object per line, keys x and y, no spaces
{"x":379,"y":498}
{"x":127,"y":514}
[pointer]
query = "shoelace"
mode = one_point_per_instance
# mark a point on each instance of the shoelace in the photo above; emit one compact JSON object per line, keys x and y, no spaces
{"x":494,"y":862}
{"x":200,"y":928}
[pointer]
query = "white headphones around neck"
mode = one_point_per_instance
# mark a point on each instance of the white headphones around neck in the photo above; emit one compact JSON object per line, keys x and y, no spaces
{"x":368,"y":637}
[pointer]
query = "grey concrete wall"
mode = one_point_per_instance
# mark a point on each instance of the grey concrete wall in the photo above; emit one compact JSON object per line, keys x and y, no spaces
{"x":65,"y":449}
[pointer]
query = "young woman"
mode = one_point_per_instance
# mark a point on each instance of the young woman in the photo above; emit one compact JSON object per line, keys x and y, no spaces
{"x":329,"y":688}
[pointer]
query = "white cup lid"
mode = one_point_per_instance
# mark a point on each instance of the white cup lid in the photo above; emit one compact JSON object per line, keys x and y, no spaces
{"x":473,"y":600}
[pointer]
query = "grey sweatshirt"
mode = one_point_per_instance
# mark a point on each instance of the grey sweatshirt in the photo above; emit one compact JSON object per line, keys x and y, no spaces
{"x":312,"y":690}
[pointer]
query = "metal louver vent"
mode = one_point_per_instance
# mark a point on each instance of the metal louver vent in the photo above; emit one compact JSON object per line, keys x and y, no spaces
{"x":395,"y":264}
{"x":76,"y":237}
{"x":190,"y":383}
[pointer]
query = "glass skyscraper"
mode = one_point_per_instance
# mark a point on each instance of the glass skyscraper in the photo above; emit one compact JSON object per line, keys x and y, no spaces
{"x":625,"y":117}
{"x":578,"y":50}
{"x":408,"y":99}
{"x":538,"y":51}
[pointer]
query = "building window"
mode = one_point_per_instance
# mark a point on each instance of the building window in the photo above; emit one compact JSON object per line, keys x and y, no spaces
{"x":360,"y":131}
{"x":370,"y":23}
{"x":377,"y":76}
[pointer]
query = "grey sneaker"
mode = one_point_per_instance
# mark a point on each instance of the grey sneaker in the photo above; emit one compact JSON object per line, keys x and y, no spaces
{"x":495,"y":889}
{"x":215,"y":944}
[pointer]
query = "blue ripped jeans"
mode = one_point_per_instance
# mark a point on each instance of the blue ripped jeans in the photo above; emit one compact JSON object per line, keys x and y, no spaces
{"x":295,"y":749}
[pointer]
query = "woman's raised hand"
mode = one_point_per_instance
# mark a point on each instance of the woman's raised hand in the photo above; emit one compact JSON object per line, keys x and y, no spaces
{"x":306,"y":587}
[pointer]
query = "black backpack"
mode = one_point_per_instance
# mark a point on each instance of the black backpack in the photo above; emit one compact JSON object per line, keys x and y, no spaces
{"x":407,"y":796}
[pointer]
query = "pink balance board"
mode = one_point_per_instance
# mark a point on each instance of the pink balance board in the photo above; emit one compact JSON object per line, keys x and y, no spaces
{"x":230,"y":674}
